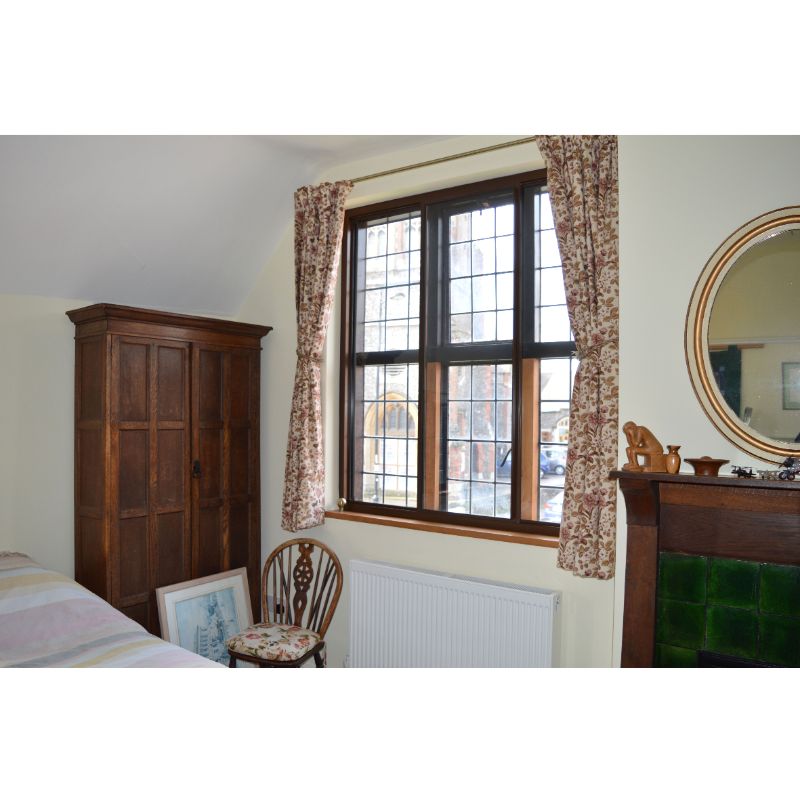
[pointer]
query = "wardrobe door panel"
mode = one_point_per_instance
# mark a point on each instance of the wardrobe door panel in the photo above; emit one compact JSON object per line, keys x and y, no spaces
{"x":134,"y":470}
{"x":225,"y":436}
{"x":91,"y":556}
{"x":171,"y":469}
{"x":240,"y":386}
{"x":132,"y":395}
{"x":207,"y":544}
{"x":243,"y":537}
{"x":239,"y":520}
{"x":210,"y":457}
{"x":92,"y":562}
{"x":170,"y":514}
{"x":134,"y":382}
{"x":240,"y":462}
{"x":171,"y":547}
{"x":172,"y":379}
{"x":209,"y":452}
{"x":91,"y":485}
{"x":90,"y":358}
{"x":151,"y":432}
{"x":133,"y":553}
{"x":209,"y":380}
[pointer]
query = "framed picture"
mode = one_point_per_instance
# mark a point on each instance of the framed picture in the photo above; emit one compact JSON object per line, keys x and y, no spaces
{"x":791,"y":385}
{"x":200,"y":615}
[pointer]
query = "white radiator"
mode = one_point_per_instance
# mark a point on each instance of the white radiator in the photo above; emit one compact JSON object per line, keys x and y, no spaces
{"x":402,"y":617}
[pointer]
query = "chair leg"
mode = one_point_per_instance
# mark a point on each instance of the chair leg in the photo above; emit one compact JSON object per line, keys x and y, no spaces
{"x":232,"y":662}
{"x":321,"y":658}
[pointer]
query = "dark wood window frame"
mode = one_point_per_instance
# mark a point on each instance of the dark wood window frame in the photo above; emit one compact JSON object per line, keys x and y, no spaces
{"x":524,"y":356}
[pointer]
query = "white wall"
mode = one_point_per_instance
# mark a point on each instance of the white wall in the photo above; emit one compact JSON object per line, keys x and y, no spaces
{"x":36,"y":428}
{"x":587,"y":605}
{"x":680,"y":198}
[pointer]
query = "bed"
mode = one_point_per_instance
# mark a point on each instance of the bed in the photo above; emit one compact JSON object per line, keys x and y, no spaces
{"x":48,"y":620}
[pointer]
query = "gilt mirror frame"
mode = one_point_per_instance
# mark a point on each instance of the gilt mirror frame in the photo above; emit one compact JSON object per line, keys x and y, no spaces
{"x":698,"y":358}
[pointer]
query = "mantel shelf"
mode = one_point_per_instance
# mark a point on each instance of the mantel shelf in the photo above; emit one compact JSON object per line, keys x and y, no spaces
{"x":723,"y":480}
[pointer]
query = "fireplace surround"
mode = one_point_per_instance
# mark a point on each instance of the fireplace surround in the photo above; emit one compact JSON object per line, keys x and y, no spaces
{"x":713,"y":571}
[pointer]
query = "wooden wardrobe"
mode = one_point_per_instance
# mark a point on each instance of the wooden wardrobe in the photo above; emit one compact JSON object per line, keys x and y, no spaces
{"x":166,"y":452}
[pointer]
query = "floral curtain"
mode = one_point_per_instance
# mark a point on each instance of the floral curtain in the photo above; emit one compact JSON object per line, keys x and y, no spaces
{"x":318,"y":223}
{"x":582,"y":179}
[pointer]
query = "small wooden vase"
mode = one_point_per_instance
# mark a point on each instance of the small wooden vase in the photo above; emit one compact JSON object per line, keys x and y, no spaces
{"x":672,"y":459}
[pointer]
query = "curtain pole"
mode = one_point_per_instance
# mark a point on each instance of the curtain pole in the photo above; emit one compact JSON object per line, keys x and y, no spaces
{"x":443,"y":159}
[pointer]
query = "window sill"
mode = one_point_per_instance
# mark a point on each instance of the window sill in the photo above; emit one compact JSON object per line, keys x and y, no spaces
{"x":440,"y":527}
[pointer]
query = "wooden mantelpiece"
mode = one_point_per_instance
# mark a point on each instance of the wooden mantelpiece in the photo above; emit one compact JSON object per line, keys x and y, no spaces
{"x":754,"y":520}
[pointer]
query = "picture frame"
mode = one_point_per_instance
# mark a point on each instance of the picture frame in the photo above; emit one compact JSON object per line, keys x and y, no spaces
{"x":791,"y":385}
{"x":201,"y":614}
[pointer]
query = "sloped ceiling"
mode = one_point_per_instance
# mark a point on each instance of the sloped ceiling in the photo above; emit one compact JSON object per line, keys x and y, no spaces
{"x":183,"y":223}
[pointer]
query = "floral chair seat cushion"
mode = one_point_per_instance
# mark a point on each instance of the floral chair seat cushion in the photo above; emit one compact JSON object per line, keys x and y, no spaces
{"x":273,"y":642}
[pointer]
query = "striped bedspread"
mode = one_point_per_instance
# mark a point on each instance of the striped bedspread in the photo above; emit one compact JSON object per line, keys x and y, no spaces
{"x":48,"y":620}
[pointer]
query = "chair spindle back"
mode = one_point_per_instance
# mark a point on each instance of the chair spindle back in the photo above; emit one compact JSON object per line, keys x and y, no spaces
{"x":304,"y":579}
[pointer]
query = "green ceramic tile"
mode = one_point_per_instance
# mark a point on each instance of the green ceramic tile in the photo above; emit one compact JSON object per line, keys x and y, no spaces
{"x":780,"y":590}
{"x":733,"y":583}
{"x":669,"y":656}
{"x":732,"y":631}
{"x":680,"y":624}
{"x":779,"y":640}
{"x":682,"y":577}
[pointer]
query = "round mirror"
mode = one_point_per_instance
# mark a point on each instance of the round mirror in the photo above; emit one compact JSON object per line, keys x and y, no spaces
{"x":743,"y":336}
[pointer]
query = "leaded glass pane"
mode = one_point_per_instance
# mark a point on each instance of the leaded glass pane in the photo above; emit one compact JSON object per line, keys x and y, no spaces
{"x":483,"y":261}
{"x":556,"y":379}
{"x":505,"y":325}
{"x":551,"y":287}
{"x":554,"y":324}
{"x":388,"y":298}
{"x":461,"y":296}
{"x":460,"y":328}
{"x":549,"y":296}
{"x":483,"y":223}
{"x":504,"y":219}
{"x":479,"y":439}
{"x":387,"y":433}
{"x":484,"y":326}
{"x":481,"y":248}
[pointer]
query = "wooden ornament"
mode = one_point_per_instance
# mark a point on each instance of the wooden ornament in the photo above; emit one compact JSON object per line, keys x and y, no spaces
{"x":641,"y":442}
{"x":673,"y":459}
{"x":707,"y":466}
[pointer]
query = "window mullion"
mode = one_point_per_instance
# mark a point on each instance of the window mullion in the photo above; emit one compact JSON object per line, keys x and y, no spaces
{"x":431,"y":445}
{"x":349,"y":489}
{"x":520,"y":448}
{"x":529,"y":439}
{"x":425,"y":379}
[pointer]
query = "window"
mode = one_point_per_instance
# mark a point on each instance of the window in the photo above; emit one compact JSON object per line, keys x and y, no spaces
{"x":457,"y":358}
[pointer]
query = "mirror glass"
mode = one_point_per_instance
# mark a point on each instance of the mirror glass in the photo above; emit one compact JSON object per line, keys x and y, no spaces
{"x":754,"y":336}
{"x":743,"y":336}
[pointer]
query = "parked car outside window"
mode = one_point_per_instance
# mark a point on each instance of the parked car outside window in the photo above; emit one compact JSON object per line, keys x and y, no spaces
{"x":553,"y":461}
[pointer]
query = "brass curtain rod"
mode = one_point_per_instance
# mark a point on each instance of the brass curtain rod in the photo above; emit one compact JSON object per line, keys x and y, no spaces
{"x":489,"y":149}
